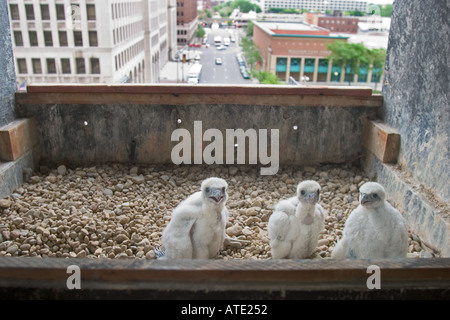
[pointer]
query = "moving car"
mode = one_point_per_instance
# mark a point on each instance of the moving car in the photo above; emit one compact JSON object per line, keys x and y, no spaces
{"x":218,"y":61}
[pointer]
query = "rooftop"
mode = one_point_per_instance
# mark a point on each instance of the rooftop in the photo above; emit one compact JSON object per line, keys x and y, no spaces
{"x":294,"y":29}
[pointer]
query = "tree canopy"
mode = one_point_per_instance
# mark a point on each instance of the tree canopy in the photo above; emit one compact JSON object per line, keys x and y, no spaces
{"x":354,"y":55}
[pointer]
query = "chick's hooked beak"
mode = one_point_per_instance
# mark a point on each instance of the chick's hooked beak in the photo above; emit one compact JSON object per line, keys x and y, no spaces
{"x":312,"y":197}
{"x":215,"y":194}
{"x":365,"y":199}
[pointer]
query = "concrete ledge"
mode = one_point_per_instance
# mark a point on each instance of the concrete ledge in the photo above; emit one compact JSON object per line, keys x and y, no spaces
{"x":423,"y":218}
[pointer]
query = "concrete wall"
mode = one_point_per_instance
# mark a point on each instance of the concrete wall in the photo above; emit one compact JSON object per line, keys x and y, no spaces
{"x":124,"y":127}
{"x":416,"y":104}
{"x":7,"y":72}
{"x":416,"y":90}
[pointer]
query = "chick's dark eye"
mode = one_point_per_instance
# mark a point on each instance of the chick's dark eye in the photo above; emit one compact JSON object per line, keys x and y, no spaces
{"x":303,"y":192}
{"x":207,"y":190}
{"x":375,"y":195}
{"x":223,"y":190}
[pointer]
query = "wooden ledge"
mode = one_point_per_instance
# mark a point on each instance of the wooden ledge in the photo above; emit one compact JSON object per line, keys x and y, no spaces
{"x":199,"y":95}
{"x":382,"y":140}
{"x":219,"y":278}
{"x":202,"y":89}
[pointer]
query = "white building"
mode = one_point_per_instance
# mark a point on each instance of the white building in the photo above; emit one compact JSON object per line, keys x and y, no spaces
{"x":320,"y":5}
{"x":91,"y":41}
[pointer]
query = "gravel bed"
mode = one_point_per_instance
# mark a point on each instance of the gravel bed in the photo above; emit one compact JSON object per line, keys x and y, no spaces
{"x":119,"y":211}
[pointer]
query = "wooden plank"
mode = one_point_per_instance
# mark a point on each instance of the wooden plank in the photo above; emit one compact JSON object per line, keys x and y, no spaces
{"x":17,"y":137}
{"x":203,"y":89}
{"x":382,"y":140}
{"x":304,"y":275}
{"x":195,"y":99}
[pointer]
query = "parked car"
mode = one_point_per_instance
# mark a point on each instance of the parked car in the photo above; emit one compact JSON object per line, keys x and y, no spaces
{"x":222,"y":47}
{"x":245,"y":73}
{"x":218,"y":61}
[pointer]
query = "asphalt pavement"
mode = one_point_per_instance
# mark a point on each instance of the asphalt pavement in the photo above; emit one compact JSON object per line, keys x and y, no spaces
{"x":226,"y":73}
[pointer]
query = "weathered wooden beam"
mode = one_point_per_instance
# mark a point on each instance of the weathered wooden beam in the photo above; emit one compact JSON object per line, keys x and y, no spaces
{"x":203,"y":89}
{"x":317,"y":278}
{"x":17,"y":137}
{"x":382,"y":140}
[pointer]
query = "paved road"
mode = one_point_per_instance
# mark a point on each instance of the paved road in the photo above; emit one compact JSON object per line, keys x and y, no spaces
{"x":228,"y":72}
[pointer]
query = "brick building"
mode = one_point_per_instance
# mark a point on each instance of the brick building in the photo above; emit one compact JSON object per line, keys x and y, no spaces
{"x":338,"y":24}
{"x":187,"y":21}
{"x":298,"y":50}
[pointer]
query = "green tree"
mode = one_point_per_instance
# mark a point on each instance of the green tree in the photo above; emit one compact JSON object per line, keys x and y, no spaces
{"x":352,"y":55}
{"x":200,"y":32}
{"x":249,"y":30}
{"x":245,"y":6}
{"x":386,"y":10}
{"x":251,"y":52}
{"x":349,"y":56}
{"x":377,"y":58}
{"x":265,"y":77}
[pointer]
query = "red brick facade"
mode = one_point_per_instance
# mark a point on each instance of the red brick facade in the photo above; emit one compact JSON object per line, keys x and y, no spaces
{"x":339,"y":24}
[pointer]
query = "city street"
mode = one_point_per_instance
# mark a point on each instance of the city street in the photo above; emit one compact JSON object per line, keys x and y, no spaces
{"x":228,"y":72}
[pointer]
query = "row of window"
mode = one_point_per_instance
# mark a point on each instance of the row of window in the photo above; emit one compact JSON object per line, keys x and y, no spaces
{"x":125,"y":32}
{"x":61,"y":11}
{"x":324,"y":71}
{"x":122,"y":58}
{"x":316,"y":5}
{"x":337,"y":22}
{"x":48,"y":38}
{"x":61,"y":66}
{"x":120,"y":10}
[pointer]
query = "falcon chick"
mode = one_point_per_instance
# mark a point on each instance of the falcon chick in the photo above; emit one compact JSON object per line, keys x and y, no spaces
{"x":197,"y":227}
{"x":295,"y":224}
{"x":374,"y":229}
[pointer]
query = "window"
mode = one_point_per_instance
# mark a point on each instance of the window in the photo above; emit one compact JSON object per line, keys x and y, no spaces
{"x":95,"y":65}
{"x":14,"y":9}
{"x":33,"y":38}
{"x":51,"y":66}
{"x":29,"y":10}
{"x":18,"y":40}
{"x":45,"y":13}
{"x":65,"y":65}
{"x":63,"y":38}
{"x":22,"y":65}
{"x":90,"y":8}
{"x":60,"y":14}
{"x":48,"y":38}
{"x":36,"y":63}
{"x":93,"y":42}
{"x":81,"y":68}
{"x":78,"y":38}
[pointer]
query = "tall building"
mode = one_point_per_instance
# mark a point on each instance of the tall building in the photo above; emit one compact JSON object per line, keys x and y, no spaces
{"x":321,"y":5}
{"x":90,"y":41}
{"x":187,"y":21}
